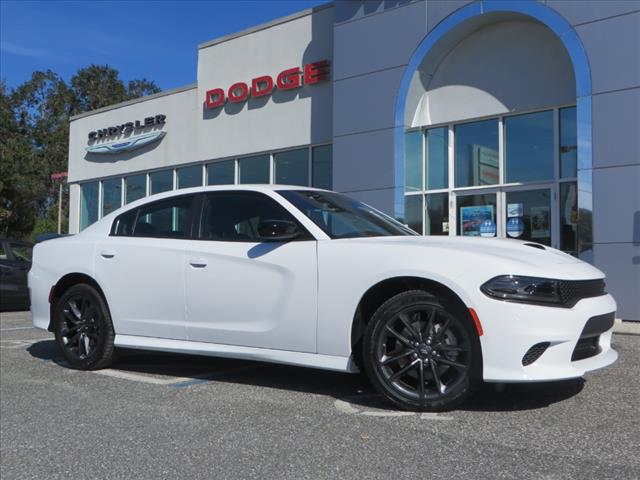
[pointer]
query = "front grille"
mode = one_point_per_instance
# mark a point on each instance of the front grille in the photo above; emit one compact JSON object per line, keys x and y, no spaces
{"x":534,"y":353}
{"x":572,"y":291}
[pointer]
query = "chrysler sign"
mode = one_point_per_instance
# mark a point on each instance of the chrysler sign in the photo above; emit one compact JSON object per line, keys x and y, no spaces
{"x":131,"y":142}
{"x":289,"y":79}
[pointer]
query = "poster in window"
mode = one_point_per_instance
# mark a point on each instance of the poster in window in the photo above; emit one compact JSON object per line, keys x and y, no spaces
{"x":540,"y":222}
{"x":471,"y":218}
{"x":515,"y":210}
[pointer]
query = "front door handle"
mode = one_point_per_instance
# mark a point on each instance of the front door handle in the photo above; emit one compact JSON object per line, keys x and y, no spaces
{"x":198,"y":262}
{"x":107,"y":254}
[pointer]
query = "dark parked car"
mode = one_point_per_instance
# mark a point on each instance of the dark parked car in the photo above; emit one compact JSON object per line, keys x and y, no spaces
{"x":15,"y":262}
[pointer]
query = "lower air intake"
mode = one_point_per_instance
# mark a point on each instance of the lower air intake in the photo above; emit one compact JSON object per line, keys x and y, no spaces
{"x":534,"y":353}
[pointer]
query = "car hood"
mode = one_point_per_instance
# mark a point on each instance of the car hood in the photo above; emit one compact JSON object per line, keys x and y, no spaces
{"x":502,"y":249}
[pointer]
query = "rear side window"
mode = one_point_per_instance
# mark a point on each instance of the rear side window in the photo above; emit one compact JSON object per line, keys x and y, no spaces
{"x":235,"y":216}
{"x":123,"y":224}
{"x":168,"y":218}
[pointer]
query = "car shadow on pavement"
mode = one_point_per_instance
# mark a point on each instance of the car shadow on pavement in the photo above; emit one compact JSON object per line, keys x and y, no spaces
{"x":353,"y":388}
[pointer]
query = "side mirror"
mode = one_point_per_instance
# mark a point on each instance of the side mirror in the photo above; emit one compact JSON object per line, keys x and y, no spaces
{"x":277,"y":231}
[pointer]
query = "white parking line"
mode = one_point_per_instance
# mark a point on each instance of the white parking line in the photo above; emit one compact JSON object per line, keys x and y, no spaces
{"x":346,"y":406}
{"x":134,"y":377}
{"x":11,"y":329}
{"x":19,"y":343}
{"x":171,"y":381}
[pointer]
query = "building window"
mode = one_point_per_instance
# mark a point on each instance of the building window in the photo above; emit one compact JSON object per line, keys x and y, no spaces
{"x":301,"y":166}
{"x":535,"y":222}
{"x":508,"y":179}
{"x":413,"y":212}
{"x":322,"y":167}
{"x":161,"y":181}
{"x":569,"y":217}
{"x":476,"y":153}
{"x":135,"y":187}
{"x":88,"y":204}
{"x":568,"y":143}
{"x":437,"y":214}
{"x":529,"y":147}
{"x":189,"y":176}
{"x":436,"y":165}
{"x":111,"y":195}
{"x":413,"y":154}
{"x":221,"y":173}
{"x":254,"y":169}
{"x":292,"y":167}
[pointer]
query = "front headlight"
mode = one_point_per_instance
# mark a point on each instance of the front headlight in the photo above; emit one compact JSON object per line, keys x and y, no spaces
{"x":524,"y":289}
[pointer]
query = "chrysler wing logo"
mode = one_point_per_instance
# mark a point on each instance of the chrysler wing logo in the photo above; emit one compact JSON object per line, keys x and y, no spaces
{"x":126,"y":145}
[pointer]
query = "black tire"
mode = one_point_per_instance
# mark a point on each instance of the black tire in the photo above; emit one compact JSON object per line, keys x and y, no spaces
{"x":421,"y":353}
{"x":83,"y":328}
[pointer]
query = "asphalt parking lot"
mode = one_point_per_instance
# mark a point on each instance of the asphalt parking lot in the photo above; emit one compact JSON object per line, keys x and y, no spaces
{"x":169,"y":416}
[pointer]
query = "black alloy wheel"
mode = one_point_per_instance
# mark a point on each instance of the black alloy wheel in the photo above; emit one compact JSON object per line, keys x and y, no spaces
{"x":83,"y":328}
{"x":419,"y":354}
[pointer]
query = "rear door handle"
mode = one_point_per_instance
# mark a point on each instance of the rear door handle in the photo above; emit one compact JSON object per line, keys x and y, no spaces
{"x":198,"y":262}
{"x":107,"y":254}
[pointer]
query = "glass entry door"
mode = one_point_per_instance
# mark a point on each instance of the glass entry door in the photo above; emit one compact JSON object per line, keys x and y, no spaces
{"x":522,"y":213}
{"x":528,"y":215}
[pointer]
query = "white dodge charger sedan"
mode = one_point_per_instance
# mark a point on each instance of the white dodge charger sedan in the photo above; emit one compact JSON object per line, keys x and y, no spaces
{"x":310,"y":277}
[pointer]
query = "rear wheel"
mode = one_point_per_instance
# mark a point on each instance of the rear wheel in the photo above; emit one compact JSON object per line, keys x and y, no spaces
{"x":419,"y":353}
{"x":83,"y":328}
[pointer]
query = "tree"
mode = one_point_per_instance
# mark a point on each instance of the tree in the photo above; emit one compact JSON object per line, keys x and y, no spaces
{"x":34,"y":138}
{"x":20,"y":175}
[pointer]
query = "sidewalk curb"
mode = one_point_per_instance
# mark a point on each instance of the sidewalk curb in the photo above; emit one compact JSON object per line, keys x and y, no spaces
{"x":626,"y":327}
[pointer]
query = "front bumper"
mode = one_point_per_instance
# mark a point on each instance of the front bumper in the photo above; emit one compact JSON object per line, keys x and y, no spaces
{"x":511,"y":329}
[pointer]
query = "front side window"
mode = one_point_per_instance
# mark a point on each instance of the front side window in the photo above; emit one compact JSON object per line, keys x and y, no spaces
{"x":342,"y":217}
{"x":235,"y":216}
{"x":168,"y":218}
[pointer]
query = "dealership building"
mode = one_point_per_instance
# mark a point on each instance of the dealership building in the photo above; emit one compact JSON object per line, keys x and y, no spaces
{"x":516,"y":119}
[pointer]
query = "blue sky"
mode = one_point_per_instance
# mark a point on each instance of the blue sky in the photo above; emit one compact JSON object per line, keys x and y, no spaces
{"x":156,"y":40}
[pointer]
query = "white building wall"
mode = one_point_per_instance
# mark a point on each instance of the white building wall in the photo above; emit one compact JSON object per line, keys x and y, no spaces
{"x":283,"y":119}
{"x":175,"y":148}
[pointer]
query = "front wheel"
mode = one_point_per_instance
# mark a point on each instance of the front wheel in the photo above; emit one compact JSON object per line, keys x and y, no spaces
{"x":83,"y":328}
{"x":420,"y":354}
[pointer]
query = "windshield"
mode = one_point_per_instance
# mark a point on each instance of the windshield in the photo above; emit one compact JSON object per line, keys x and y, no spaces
{"x":342,"y":217}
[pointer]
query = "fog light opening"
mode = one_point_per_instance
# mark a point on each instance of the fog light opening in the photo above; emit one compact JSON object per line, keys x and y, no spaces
{"x":534,"y":353}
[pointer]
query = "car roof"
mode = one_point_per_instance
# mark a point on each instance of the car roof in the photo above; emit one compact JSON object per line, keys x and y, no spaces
{"x":217,"y":188}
